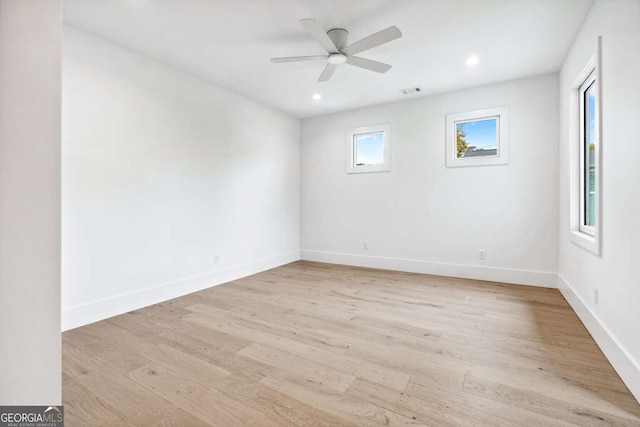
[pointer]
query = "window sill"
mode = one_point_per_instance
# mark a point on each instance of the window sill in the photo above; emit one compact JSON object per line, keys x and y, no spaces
{"x":585,"y":241}
{"x":369,"y":169}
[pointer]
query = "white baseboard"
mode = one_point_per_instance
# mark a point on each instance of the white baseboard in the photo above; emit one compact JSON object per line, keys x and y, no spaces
{"x":627,"y":368}
{"x":493,"y":274}
{"x":79,"y":315}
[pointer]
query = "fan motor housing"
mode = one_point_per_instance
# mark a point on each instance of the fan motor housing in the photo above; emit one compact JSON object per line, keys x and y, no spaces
{"x":339,"y":37}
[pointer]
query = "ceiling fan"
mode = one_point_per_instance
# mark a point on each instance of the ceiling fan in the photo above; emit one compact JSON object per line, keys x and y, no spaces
{"x":335,"y":43}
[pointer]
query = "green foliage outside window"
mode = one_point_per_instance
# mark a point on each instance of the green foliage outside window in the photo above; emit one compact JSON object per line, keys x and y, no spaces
{"x":461,"y":142}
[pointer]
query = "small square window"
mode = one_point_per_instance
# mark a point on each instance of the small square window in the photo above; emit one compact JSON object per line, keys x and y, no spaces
{"x":368,"y":149}
{"x":477,"y":138}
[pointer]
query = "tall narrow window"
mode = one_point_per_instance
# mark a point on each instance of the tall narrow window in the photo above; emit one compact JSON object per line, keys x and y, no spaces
{"x":585,"y":151}
{"x":588,"y":154}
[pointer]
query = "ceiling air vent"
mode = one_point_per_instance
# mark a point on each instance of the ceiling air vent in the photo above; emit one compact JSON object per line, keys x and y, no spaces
{"x":410,"y":90}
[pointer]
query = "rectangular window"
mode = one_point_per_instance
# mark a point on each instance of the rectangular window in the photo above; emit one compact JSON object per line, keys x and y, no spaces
{"x":478,"y":138}
{"x":368,"y":149}
{"x":588,"y":149}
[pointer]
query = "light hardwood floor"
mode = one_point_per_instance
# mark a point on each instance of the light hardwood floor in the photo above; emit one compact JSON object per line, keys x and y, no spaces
{"x":312,"y":344}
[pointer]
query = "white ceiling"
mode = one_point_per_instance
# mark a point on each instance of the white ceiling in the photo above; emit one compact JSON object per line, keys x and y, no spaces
{"x":229,"y":43}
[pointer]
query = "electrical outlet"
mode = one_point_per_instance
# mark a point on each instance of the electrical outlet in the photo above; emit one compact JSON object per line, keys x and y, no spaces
{"x":365,"y":245}
{"x":216,"y":259}
{"x":595,"y":295}
{"x":482,"y":254}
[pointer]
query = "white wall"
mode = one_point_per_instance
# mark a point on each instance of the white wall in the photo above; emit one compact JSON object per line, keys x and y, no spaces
{"x":427,"y":218}
{"x":615,"y":321}
{"x":160,"y":172}
{"x":30,"y":45}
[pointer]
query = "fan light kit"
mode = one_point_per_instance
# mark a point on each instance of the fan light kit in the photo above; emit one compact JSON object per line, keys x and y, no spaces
{"x":335,"y":43}
{"x":337,"y":58}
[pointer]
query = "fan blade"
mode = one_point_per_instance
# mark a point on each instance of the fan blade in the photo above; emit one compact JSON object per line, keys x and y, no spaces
{"x":317,"y":32}
{"x":373,"y":40}
{"x":327,"y":72}
{"x":298,"y":58}
{"x":368,"y":64}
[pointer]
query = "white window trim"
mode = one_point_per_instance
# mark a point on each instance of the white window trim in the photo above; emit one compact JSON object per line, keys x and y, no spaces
{"x":386,"y":166}
{"x":581,"y":235}
{"x":591,"y":79}
{"x":502,"y":158}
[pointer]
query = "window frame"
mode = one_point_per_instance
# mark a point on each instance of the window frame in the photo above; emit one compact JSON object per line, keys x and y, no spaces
{"x":502,"y":156}
{"x":580,"y":234}
{"x":590,"y":81}
{"x":351,"y":167}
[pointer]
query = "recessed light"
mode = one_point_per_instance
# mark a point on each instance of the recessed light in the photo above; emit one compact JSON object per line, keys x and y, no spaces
{"x":317,"y":96}
{"x":472,"y":61}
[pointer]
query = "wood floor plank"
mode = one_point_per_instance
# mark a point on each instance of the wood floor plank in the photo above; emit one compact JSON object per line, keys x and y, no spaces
{"x":283,"y":409}
{"x":83,"y":408}
{"x":402,"y":403}
{"x":125,"y":397}
{"x":248,"y":328}
{"x":355,"y":410}
{"x":548,"y":406}
{"x":299,"y":366}
{"x":310,"y":344}
{"x":463,"y":408}
{"x":212,"y":351}
{"x":298,"y":316}
{"x":210,"y":406}
{"x":259,"y":333}
{"x":553,"y":383}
